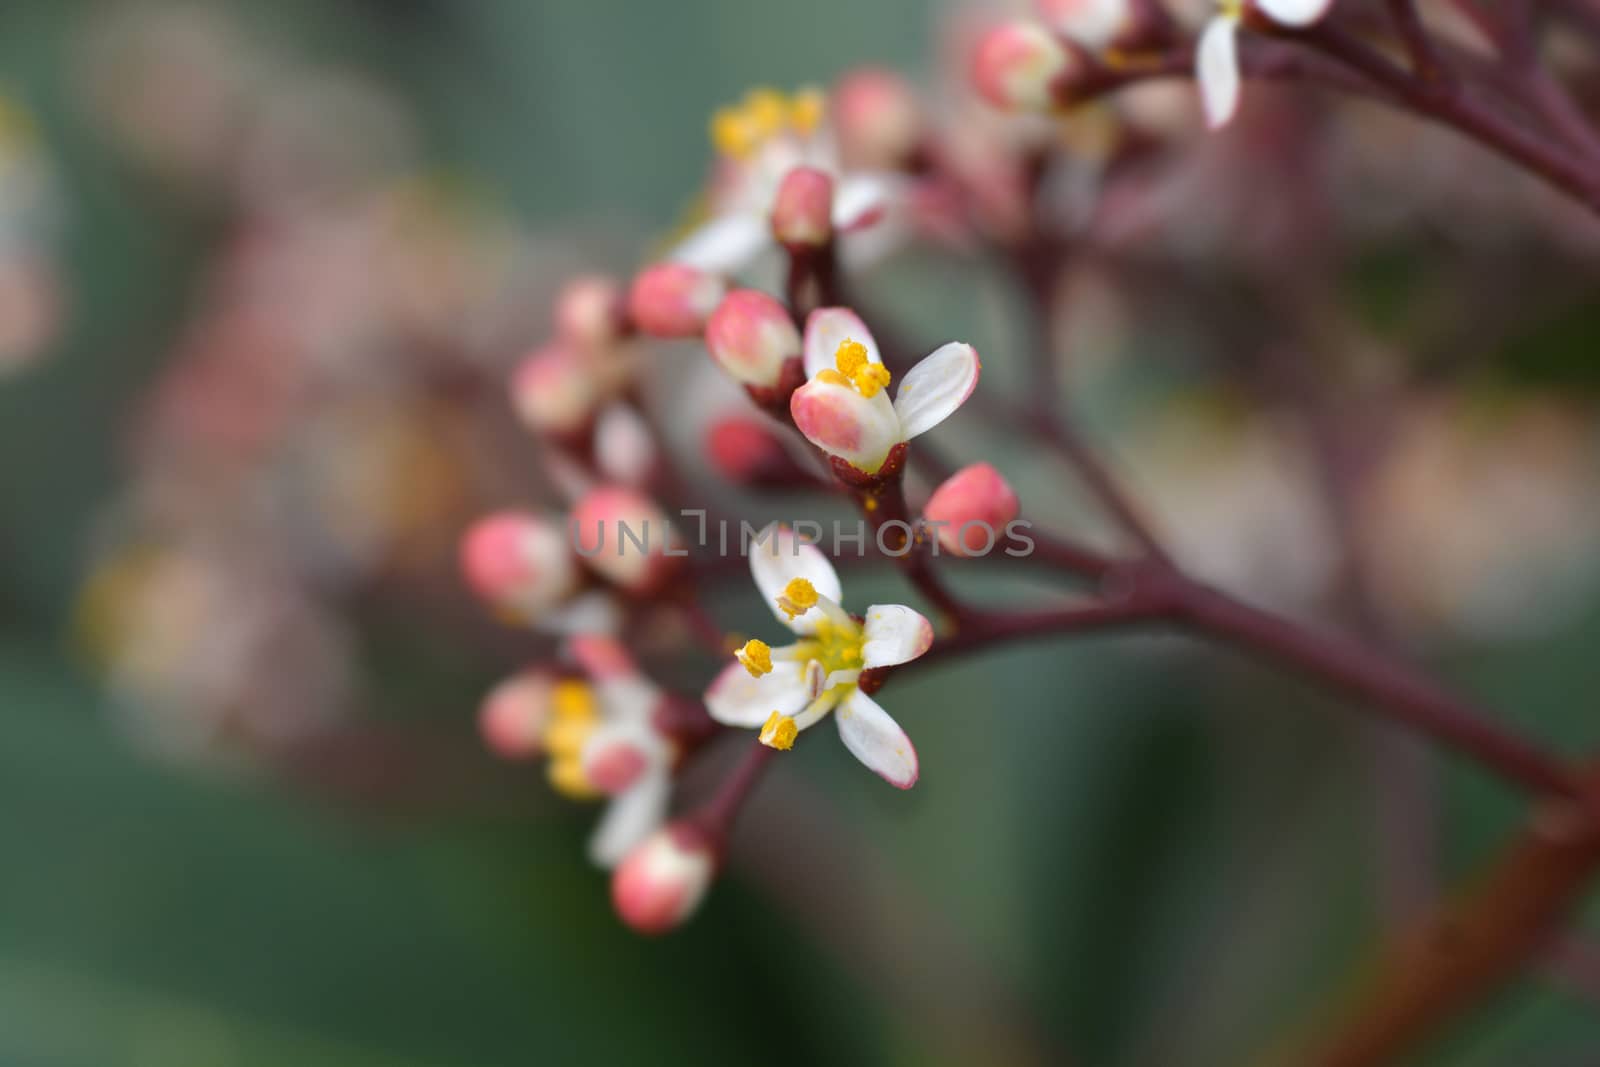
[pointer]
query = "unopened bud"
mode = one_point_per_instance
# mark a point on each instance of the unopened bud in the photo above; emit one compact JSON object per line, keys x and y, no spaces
{"x":802,"y":210}
{"x":673,"y":299}
{"x":625,"y":538}
{"x":591,"y":311}
{"x":664,"y":879}
{"x":616,"y":757}
{"x":553,"y":390}
{"x":746,"y":451}
{"x":624,"y":447}
{"x":512,"y":718}
{"x":1018,"y":65}
{"x":1095,"y":24}
{"x":518,"y":563}
{"x":751,"y":336}
{"x":973,"y":506}
{"x":877,"y":118}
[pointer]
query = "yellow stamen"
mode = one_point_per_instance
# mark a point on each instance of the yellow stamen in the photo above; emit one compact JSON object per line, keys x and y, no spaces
{"x":799,"y":597}
{"x":850,"y":357}
{"x":567,"y":777}
{"x":766,"y":110}
{"x":856,"y":368}
{"x":779,"y":732}
{"x":832,"y":377}
{"x":566,"y":737}
{"x":572,"y":699}
{"x":806,"y":110}
{"x":731,"y":133}
{"x":756,"y":657}
{"x":871,"y":379}
{"x":1232,"y":9}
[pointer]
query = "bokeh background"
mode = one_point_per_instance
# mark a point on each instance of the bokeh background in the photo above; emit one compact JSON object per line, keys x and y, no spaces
{"x":1122,"y":850}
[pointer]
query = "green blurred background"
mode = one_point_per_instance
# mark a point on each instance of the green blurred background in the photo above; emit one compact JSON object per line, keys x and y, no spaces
{"x":1103,"y":863}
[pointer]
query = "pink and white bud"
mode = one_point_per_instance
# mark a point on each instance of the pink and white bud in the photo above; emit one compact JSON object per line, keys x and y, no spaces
{"x":973,"y":507}
{"x":1019,"y":66}
{"x":602,"y":657}
{"x":615,"y":760}
{"x":622,"y":536}
{"x":624,"y":446}
{"x":1095,"y":24}
{"x":802,"y":210}
{"x":662,"y":881}
{"x":842,"y":422}
{"x":519,"y":563}
{"x":512,"y":718}
{"x":877,"y":119}
{"x":751,"y":337}
{"x":592,"y":311}
{"x":746,"y":451}
{"x":673,"y":299}
{"x":554,"y":391}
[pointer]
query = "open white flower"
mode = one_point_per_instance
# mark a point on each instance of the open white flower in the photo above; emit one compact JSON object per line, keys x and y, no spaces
{"x":602,"y":741}
{"x":843,"y":409}
{"x":1216,"y":56}
{"x":760,"y":141}
{"x":784,"y":690}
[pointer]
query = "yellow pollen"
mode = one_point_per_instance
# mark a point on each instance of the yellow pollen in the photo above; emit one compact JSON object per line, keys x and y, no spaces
{"x":779,"y":732}
{"x":855,"y":367}
{"x":850,"y":357}
{"x":767,"y":110}
{"x":1232,"y":9}
{"x":832,"y":377}
{"x":573,"y":700}
{"x":806,"y":110}
{"x":731,"y":133}
{"x":565,"y":737}
{"x":799,"y":597}
{"x":756,"y":657}
{"x":567,"y":778}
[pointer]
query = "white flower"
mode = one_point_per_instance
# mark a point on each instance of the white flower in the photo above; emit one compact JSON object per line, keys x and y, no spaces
{"x":602,"y":741}
{"x":1216,"y":56}
{"x":760,"y":141}
{"x":843,"y":409}
{"x":788,"y":689}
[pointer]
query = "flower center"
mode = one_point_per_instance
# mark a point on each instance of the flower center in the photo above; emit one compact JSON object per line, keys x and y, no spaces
{"x":741,"y":130}
{"x":852,"y":367}
{"x":835,"y":645}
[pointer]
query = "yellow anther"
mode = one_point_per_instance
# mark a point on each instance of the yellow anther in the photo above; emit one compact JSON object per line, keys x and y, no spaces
{"x":871,"y":379}
{"x":731,"y":133}
{"x":566,"y":737}
{"x":806,"y":110}
{"x":766,"y":111}
{"x":779,"y":732}
{"x":1231,"y":9}
{"x":799,"y":597}
{"x":850,"y":357}
{"x":567,"y":777}
{"x":572,"y":699}
{"x":756,"y":657}
{"x":832,"y":377}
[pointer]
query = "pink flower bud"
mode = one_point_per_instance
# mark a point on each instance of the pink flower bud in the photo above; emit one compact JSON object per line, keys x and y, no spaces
{"x":802,"y":210}
{"x":750,"y":336}
{"x":1018,"y":65}
{"x":624,"y":445}
{"x":662,"y":881}
{"x":512,"y":717}
{"x":614,"y":762}
{"x":518,"y":563}
{"x":837,"y":419}
{"x":974,"y":504}
{"x":673,"y":299}
{"x":747,"y":452}
{"x":1095,"y":24}
{"x":877,"y":118}
{"x":591,"y":311}
{"x":624,"y":537}
{"x":553,"y":390}
{"x":601,"y":656}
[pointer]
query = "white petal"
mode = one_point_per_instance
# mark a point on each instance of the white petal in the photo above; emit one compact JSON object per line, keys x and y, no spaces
{"x":779,"y":555}
{"x":724,"y":244}
{"x":894,"y":634}
{"x":826,"y":328}
{"x":1217,"y":70}
{"x":595,"y":612}
{"x":630,"y":818}
{"x":933,"y":389}
{"x":877,"y":740}
{"x":1294,"y":12}
{"x":736,"y":698}
{"x":861,"y":200}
